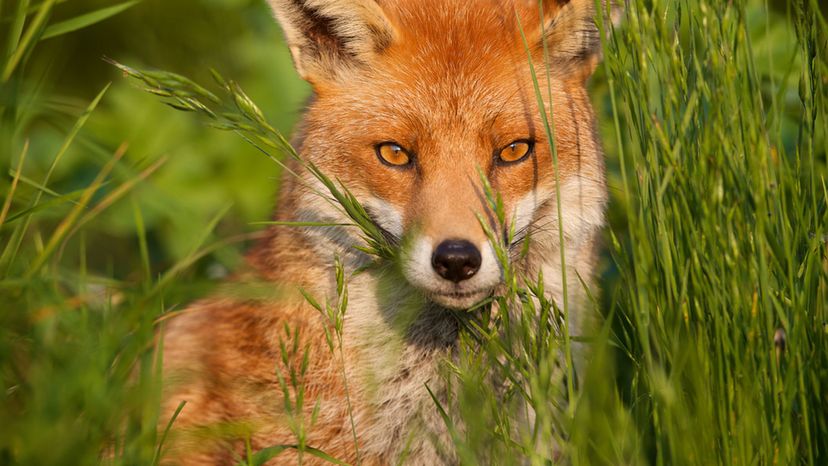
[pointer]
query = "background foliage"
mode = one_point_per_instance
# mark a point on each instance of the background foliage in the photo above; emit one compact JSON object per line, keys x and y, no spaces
{"x":697,"y":284}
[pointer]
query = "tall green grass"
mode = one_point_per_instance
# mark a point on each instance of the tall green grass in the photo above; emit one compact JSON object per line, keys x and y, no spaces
{"x":78,"y":367}
{"x":714,"y":346}
{"x":721,"y":303}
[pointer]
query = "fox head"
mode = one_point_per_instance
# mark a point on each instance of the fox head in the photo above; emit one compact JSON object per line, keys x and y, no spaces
{"x":415,"y":100}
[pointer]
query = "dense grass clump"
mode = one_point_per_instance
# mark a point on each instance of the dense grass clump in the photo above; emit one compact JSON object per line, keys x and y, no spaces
{"x":721,"y":304}
{"x":714,"y":344}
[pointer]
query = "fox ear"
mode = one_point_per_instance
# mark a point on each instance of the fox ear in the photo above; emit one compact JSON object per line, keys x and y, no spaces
{"x":571,"y":31}
{"x":328,"y":37}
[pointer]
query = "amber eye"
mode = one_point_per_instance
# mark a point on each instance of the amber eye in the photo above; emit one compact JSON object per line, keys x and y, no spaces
{"x":516,"y":151}
{"x":393,"y":154}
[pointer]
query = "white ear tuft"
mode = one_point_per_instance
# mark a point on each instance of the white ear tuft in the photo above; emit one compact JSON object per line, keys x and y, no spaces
{"x":328,"y":37}
{"x":572,"y":33}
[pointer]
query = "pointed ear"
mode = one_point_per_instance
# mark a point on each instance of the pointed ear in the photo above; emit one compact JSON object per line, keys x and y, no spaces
{"x":328,"y":37}
{"x":571,"y":31}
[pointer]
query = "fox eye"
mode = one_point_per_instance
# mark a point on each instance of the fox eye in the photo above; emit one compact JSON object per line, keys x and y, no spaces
{"x":393,"y":154}
{"x":515,"y":151}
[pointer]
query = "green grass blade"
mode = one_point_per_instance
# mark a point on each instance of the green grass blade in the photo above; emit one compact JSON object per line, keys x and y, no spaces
{"x":15,"y":179}
{"x":158,"y":452}
{"x":85,"y":20}
{"x":28,"y":40}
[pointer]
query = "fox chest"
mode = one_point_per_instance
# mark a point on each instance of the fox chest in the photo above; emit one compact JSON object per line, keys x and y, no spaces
{"x":394,"y":360}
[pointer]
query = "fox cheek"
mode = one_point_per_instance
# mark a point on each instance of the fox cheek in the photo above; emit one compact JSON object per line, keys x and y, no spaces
{"x":524,"y":212}
{"x":386,"y":215}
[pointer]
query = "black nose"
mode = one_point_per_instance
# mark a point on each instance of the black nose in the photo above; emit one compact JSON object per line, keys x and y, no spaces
{"x":456,"y":260}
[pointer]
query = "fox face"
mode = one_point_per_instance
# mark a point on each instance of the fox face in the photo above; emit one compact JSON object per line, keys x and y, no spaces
{"x":416,"y":102}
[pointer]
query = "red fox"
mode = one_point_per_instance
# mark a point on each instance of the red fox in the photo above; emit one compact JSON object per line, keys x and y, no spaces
{"x":414,"y":101}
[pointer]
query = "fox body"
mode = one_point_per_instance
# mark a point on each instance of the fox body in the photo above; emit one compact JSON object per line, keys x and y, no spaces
{"x":413,"y":101}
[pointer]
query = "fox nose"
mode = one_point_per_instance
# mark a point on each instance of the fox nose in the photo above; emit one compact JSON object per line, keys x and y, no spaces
{"x":456,"y":260}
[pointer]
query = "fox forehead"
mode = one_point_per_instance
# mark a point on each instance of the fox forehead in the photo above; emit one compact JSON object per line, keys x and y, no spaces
{"x":430,"y":93}
{"x":452,"y":64}
{"x":430,"y":116}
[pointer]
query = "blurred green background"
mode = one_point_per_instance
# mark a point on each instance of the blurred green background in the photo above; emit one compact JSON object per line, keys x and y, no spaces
{"x":206,"y":170}
{"x":76,"y":338}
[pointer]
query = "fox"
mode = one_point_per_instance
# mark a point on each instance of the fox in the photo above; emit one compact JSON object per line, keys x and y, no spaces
{"x":416,"y":105}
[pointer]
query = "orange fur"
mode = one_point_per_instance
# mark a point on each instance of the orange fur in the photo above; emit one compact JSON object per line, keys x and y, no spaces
{"x":449,"y":81}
